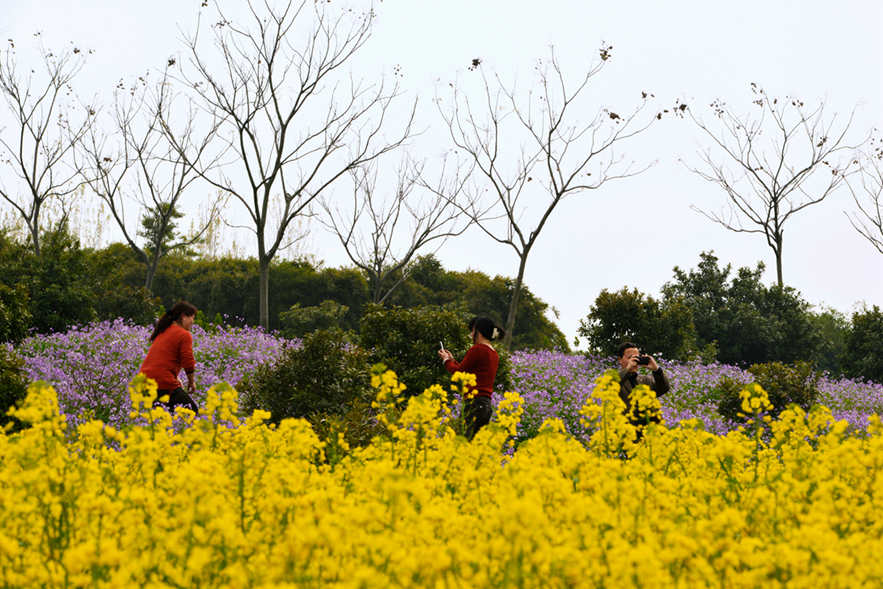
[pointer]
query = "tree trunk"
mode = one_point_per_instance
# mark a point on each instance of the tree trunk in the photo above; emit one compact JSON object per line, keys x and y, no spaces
{"x":35,"y":234}
{"x":779,"y":269}
{"x":264,"y":295}
{"x":513,"y":306}
{"x":151,"y":273}
{"x":35,"y":237}
{"x":375,"y":289}
{"x":778,"y":252}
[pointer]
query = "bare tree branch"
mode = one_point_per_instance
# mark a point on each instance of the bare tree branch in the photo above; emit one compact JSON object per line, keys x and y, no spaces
{"x":530,"y":152}
{"x":368,"y":230}
{"x":775,"y":154}
{"x":871,"y":226}
{"x":136,"y":163}
{"x":45,"y":130}
{"x":293,"y":125}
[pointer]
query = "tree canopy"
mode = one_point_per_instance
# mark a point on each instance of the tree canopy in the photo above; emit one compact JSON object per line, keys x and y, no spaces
{"x":747,"y":321}
{"x":706,"y":313}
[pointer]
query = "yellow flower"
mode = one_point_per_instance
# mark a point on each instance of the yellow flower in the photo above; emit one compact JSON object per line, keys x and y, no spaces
{"x":233,"y":502}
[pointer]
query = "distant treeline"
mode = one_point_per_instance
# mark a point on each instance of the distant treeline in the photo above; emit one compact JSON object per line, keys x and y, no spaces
{"x":713,"y":313}
{"x":708,"y":313}
{"x":68,"y":285}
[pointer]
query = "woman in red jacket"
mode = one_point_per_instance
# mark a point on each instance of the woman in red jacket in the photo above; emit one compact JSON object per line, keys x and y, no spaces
{"x":172,"y":350}
{"x":482,"y":361}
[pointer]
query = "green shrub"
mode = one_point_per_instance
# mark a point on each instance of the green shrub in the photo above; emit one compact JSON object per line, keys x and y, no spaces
{"x":135,"y":304}
{"x":503,"y":381}
{"x":833,"y":326}
{"x":13,"y":386}
{"x":15,"y":313}
{"x":207,"y":324}
{"x":56,"y":280}
{"x":863,"y":353}
{"x":662,"y":328}
{"x":747,"y":321}
{"x":407,"y":341}
{"x":785,"y":385}
{"x":299,"y":321}
{"x":430,"y":285}
{"x":357,"y":424}
{"x":726,"y":393}
{"x":326,"y":374}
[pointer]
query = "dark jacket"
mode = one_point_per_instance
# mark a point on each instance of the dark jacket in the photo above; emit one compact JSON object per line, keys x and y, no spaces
{"x":657,"y":381}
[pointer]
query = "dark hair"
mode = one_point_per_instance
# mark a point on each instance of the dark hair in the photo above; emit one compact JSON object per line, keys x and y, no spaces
{"x":620,"y":351}
{"x":180,"y":309}
{"x":486,"y":326}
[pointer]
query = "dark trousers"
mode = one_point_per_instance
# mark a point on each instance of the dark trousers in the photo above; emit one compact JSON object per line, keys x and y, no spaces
{"x":177,"y":398}
{"x":478,"y":412}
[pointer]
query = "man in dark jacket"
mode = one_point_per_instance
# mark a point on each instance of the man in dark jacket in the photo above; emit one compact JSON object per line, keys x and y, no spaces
{"x":630,"y":359}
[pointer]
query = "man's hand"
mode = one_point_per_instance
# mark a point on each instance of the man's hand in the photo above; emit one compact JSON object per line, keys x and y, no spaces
{"x":629,"y":361}
{"x":632,"y":366}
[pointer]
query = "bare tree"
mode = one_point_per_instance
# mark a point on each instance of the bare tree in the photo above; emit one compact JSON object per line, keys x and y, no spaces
{"x":292,"y":123}
{"x":38,"y":142}
{"x":871,"y":226}
{"x":772,"y":172}
{"x":531,"y":154}
{"x":368,"y":230}
{"x":137,"y":164}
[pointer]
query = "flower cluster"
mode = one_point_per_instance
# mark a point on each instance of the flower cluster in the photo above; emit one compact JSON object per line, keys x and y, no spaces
{"x":90,"y":366}
{"x":555,"y":384}
{"x":509,"y":413}
{"x":227,"y":502}
{"x":611,"y":432}
{"x":645,"y":406}
{"x":389,"y":395}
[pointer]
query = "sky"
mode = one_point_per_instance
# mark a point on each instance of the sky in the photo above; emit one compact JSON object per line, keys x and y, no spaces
{"x":629,"y":232}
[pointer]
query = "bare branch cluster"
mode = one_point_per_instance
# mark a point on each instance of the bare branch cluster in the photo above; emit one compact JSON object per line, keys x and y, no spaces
{"x":383,"y":232}
{"x":136,"y":163}
{"x":291,"y":124}
{"x":773,"y":162}
{"x":47,"y":126}
{"x":269,"y":118}
{"x":533,"y":151}
{"x":868,"y":221}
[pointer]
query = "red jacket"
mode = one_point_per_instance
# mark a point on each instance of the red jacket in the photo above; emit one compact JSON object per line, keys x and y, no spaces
{"x":482,"y":361}
{"x":171,"y":351}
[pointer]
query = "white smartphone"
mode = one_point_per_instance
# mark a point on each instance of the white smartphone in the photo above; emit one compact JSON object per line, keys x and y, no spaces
{"x":442,"y":345}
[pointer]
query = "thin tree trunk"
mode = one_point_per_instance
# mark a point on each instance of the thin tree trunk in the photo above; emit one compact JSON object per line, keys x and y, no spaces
{"x":778,"y":252}
{"x":264,"y":295}
{"x":377,"y":299}
{"x":35,"y":229}
{"x":35,"y":237}
{"x":151,"y":273}
{"x":513,"y":306}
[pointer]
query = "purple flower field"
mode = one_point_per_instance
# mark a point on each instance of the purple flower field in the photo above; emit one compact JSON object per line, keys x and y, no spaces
{"x":555,"y":384}
{"x":91,"y":367}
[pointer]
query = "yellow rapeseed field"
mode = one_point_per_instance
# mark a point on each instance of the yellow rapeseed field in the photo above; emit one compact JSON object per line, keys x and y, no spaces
{"x":219,"y":502}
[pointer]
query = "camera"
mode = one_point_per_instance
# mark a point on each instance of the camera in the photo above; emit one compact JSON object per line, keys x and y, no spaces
{"x":643,"y":360}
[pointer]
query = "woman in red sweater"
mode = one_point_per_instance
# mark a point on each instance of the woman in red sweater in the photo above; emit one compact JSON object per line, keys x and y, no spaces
{"x":172,"y":350}
{"x":482,"y":361}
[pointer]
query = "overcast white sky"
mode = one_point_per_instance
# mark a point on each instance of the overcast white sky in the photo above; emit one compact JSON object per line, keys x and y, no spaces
{"x":631,"y":232}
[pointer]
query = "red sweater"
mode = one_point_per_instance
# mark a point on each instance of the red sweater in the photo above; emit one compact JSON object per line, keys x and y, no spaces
{"x":482,"y":361}
{"x":171,"y":351}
